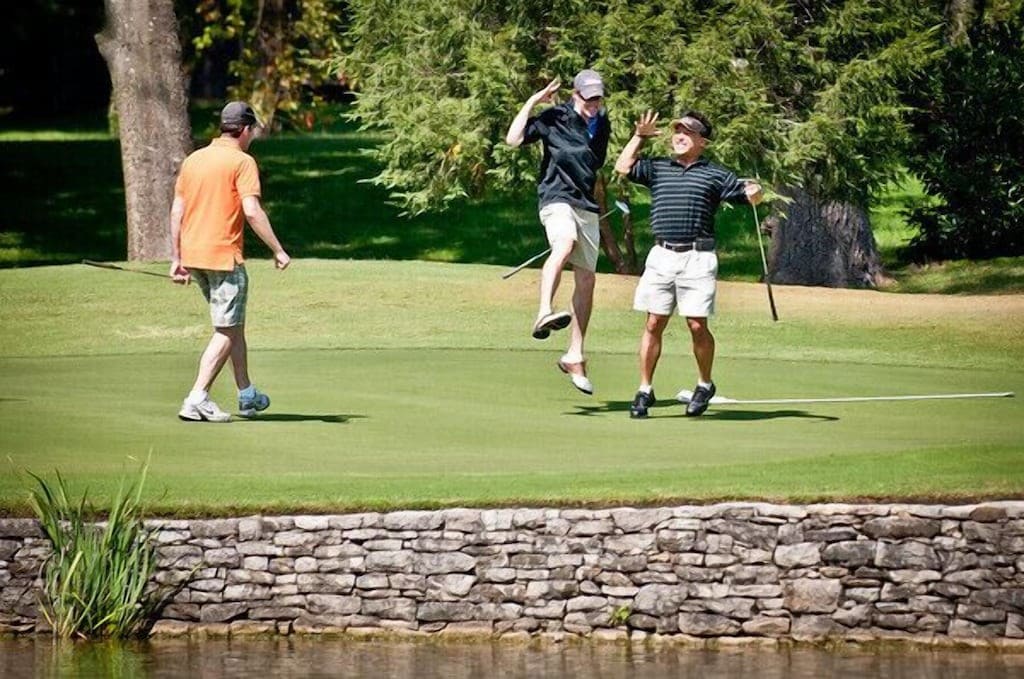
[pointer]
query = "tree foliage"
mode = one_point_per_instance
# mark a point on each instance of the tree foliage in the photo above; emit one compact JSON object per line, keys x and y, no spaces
{"x":970,"y":135}
{"x":802,"y":92}
{"x":280,"y":46}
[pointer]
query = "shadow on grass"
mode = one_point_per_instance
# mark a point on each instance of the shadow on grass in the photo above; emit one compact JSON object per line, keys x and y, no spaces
{"x":725,"y":415}
{"x":752,"y":415}
{"x":295,"y":417}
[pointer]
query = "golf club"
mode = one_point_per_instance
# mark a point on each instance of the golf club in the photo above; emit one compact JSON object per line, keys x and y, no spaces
{"x":764,"y":264}
{"x":620,"y":205}
{"x":115,"y":267}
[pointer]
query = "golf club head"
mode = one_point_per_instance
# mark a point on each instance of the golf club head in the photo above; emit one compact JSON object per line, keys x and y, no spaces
{"x":623,"y":206}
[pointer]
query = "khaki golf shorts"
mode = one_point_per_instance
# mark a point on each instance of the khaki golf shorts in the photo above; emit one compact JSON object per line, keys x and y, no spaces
{"x":677,"y":281}
{"x":563,"y":221}
{"x":227,"y":293}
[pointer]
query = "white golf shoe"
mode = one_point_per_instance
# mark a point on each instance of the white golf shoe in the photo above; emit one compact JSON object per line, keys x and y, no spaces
{"x":577,"y":372}
{"x":207,"y":411}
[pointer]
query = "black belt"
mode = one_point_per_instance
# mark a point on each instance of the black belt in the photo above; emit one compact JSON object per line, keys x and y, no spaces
{"x":701,"y":245}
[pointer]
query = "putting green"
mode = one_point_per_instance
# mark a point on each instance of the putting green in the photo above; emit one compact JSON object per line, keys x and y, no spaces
{"x":431,"y":427}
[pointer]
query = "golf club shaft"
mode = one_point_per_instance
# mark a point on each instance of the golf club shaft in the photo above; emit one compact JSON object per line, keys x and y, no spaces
{"x":115,"y":267}
{"x":525,"y":264}
{"x":619,"y":205}
{"x":764,"y":264}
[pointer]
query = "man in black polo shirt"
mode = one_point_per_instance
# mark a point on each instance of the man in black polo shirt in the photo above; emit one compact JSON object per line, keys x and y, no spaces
{"x":679,"y":274}
{"x":575,"y":140}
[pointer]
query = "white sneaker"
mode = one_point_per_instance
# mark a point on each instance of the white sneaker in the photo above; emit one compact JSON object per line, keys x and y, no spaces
{"x":579,"y":379}
{"x":207,"y":411}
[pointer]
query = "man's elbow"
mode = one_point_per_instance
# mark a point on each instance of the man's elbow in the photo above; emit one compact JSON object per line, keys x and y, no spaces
{"x":623,"y":168}
{"x":514,"y":142}
{"x":252,"y":208}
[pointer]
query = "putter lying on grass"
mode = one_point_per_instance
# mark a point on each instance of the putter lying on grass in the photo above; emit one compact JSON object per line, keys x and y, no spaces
{"x":115,"y":267}
{"x":684,"y":397}
{"x":620,"y":205}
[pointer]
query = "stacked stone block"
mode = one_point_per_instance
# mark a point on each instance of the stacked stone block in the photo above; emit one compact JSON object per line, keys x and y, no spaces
{"x":726,"y":570}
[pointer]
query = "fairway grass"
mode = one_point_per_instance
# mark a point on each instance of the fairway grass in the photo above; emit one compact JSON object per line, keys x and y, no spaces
{"x":412,"y":384}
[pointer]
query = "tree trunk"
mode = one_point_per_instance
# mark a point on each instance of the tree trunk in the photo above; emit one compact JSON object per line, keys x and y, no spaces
{"x":960,"y":16}
{"x":270,"y":42}
{"x":140,"y":45}
{"x":825,"y":243}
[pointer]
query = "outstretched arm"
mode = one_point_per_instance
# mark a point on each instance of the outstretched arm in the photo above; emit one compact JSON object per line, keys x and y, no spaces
{"x":514,"y":136}
{"x":260,"y":223}
{"x":645,"y":128}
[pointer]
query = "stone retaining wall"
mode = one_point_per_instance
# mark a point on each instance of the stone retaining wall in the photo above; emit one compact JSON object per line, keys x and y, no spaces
{"x":727,"y":570}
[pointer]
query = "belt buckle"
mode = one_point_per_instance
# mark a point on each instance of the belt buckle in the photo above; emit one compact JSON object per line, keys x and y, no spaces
{"x":679,"y":247}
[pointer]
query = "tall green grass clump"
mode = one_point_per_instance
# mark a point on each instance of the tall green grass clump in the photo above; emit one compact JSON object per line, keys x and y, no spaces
{"x":95,"y":581}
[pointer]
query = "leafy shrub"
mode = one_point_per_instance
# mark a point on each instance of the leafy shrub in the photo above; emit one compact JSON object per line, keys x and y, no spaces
{"x":95,"y":582}
{"x":970,"y":134}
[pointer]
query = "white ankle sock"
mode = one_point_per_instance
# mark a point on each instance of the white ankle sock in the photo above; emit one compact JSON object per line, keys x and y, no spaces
{"x":706,"y":385}
{"x":646,"y":388}
{"x":197,"y":396}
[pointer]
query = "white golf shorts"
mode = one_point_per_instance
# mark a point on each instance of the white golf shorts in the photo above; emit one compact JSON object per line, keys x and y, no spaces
{"x":563,"y":221}
{"x":677,"y":281}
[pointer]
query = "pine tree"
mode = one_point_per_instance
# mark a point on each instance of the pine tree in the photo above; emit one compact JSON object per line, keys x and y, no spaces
{"x":806,"y":95}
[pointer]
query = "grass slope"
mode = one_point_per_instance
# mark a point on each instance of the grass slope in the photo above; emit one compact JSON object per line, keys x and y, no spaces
{"x":414,"y":384}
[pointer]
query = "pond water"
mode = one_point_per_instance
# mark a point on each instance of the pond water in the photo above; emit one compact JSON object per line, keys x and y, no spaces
{"x":326,"y":657}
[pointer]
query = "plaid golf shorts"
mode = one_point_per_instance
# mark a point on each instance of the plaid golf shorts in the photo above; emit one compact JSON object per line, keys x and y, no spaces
{"x":226,"y":292}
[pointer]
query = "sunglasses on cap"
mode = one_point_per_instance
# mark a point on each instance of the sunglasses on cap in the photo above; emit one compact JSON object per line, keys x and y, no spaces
{"x":691,"y":125}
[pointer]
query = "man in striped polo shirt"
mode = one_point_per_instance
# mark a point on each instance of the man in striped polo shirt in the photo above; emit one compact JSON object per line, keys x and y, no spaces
{"x":679,"y":274}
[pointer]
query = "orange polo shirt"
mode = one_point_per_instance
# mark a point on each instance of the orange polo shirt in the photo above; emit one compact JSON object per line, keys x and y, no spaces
{"x":212,"y":182}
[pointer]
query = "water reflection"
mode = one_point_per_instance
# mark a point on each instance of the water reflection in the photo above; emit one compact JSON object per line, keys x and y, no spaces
{"x":323,"y":657}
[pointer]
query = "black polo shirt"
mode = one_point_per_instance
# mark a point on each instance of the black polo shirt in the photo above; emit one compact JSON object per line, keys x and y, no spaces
{"x":572,"y":157}
{"x":684,"y":199}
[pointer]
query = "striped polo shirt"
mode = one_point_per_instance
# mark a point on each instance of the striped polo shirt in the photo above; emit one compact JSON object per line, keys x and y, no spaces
{"x":684,"y":199}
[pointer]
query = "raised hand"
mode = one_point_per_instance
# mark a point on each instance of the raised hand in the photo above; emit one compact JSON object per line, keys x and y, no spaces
{"x":547,"y":94}
{"x":647,"y":125}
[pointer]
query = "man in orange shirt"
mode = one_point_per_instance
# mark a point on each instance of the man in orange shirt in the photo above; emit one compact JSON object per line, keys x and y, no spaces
{"x":217,"y":189}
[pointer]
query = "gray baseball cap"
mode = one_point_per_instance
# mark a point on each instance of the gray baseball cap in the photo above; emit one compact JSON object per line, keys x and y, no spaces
{"x":588,"y":83}
{"x":238,"y":113}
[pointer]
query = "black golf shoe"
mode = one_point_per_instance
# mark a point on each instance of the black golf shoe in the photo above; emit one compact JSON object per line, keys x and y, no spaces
{"x":641,"y":402}
{"x":700,"y":400}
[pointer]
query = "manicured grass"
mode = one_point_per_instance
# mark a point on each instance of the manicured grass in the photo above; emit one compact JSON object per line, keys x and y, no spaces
{"x":413,"y":384}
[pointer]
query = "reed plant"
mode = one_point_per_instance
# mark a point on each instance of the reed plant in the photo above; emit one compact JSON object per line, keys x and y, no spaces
{"x":96,"y":580}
